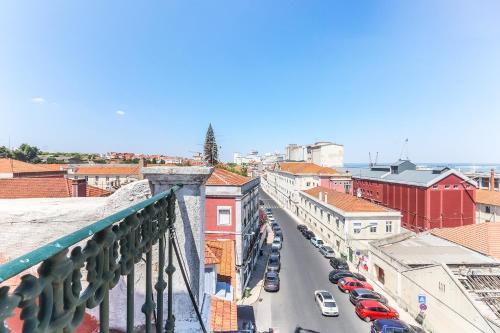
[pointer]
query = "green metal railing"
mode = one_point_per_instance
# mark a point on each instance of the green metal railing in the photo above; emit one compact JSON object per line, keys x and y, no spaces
{"x":56,"y":299}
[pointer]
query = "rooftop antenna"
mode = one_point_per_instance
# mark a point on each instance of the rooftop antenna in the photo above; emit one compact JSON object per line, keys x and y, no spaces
{"x":404,"y":149}
{"x":376,"y":159}
{"x":370,"y":159}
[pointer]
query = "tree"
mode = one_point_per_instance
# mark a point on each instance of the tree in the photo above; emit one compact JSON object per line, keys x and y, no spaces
{"x":27,"y":153}
{"x":5,"y":152}
{"x":211,"y":151}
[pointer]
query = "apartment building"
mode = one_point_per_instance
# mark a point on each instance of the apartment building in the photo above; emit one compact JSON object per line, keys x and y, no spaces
{"x":426,"y":198}
{"x":445,"y":286}
{"x":287,"y":179}
{"x":345,"y":222}
{"x":232,"y":213}
{"x":327,"y":154}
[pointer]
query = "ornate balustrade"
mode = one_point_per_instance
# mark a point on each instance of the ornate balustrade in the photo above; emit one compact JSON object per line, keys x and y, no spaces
{"x":77,"y":271}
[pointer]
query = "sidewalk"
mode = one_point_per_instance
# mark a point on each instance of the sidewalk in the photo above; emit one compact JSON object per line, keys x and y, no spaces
{"x":256,"y":280}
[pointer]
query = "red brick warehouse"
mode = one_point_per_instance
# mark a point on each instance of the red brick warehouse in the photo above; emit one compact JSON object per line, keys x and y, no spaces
{"x":427,"y":199}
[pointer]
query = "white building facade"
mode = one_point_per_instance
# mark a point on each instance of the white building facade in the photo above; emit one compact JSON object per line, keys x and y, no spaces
{"x":327,"y":154}
{"x":345,"y":222}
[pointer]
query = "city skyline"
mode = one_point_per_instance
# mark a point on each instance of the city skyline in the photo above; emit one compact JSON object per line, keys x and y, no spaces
{"x":96,"y":77}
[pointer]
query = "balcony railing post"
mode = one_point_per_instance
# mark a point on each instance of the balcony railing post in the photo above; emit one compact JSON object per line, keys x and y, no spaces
{"x":170,"y":325}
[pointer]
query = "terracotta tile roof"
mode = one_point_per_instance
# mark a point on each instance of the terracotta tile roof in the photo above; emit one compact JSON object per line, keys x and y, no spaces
{"x":210,"y":255}
{"x":9,"y":165}
{"x":486,"y":197}
{"x":50,"y":187}
{"x":298,"y":168}
{"x":482,"y":237}
{"x":227,"y":265}
{"x":55,"y":166}
{"x":224,"y":177}
{"x":107,"y":170}
{"x":93,"y":191}
{"x":223,"y":315}
{"x":346,"y":202}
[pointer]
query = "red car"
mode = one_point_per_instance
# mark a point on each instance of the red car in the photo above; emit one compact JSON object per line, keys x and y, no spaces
{"x":371,"y":310}
{"x":348,"y":284}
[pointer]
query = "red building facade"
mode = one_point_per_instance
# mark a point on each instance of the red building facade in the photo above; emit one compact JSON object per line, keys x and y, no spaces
{"x":427,"y":199}
{"x":232,"y":213}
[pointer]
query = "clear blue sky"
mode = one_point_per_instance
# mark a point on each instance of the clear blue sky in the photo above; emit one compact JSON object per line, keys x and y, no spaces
{"x":265,"y":73}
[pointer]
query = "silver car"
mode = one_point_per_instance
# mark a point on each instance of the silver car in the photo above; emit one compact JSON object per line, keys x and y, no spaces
{"x":327,"y":251}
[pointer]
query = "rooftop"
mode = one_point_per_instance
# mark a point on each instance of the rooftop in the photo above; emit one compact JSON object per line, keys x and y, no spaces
{"x":345,"y":202}
{"x":419,"y":177}
{"x":107,"y":169}
{"x":9,"y":165}
{"x":483,"y":237}
{"x":224,"y":177}
{"x":298,"y":168}
{"x":43,"y":187}
{"x":224,"y":252}
{"x":426,"y":249}
{"x":223,"y":315}
{"x":486,"y":197}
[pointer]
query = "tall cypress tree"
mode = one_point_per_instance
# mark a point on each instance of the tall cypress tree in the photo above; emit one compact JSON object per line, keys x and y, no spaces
{"x":211,"y":152}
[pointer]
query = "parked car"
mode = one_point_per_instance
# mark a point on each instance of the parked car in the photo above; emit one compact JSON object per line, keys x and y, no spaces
{"x":279,"y":233}
{"x":309,"y":234}
{"x":316,"y":241}
{"x":334,"y":278}
{"x":348,"y":284}
{"x":339,"y":263}
{"x":275,"y":251}
{"x":326,"y":303}
{"x":362,"y":294}
{"x":371,"y":310}
{"x":273,"y":264}
{"x":301,"y":227}
{"x":276,"y":243}
{"x":392,"y":326}
{"x":275,"y":226}
{"x":271,"y":281}
{"x":327,"y":251}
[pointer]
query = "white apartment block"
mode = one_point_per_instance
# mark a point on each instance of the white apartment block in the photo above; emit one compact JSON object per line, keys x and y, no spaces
{"x":327,"y":154}
{"x":345,"y":222}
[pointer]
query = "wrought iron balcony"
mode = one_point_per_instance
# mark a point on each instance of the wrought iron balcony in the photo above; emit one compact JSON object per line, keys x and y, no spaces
{"x":77,"y":272}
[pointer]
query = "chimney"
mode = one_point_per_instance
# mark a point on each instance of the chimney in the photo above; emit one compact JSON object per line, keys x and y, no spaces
{"x":320,"y":196}
{"x":492,"y":180}
{"x":78,"y":188}
{"x":326,"y":197}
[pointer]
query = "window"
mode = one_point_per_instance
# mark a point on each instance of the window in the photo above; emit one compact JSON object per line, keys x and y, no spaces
{"x":337,"y":222}
{"x":442,"y":287}
{"x":487,"y":209}
{"x":96,"y":178}
{"x":455,"y":186}
{"x":328,"y":217}
{"x":76,"y":177}
{"x":447,"y":187}
{"x":434,"y":187}
{"x":356,"y":227}
{"x":86,"y":178}
{"x":388,"y":226}
{"x":373,"y":227}
{"x":308,"y":184}
{"x":224,"y":215}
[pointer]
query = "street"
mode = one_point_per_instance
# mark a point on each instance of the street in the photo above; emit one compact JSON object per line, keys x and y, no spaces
{"x":303,"y":270}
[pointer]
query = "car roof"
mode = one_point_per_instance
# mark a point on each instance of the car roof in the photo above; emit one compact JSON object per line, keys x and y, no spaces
{"x":371,"y":303}
{"x":350,"y":279}
{"x":364,"y":291}
{"x":272,"y":274}
{"x":324,"y":293}
{"x":392,"y":323}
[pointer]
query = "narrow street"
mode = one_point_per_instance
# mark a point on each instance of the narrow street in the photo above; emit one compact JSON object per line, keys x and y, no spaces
{"x":303,"y":270}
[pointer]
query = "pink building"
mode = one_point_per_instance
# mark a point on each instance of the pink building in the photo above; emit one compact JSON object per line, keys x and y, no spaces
{"x":232,"y":212}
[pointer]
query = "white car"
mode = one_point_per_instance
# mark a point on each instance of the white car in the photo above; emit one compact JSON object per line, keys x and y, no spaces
{"x":316,"y":241}
{"x":327,"y":251}
{"x":276,"y":243}
{"x":326,"y":303}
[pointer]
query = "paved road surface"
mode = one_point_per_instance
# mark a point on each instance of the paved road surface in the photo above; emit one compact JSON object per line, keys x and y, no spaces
{"x":303,"y":270}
